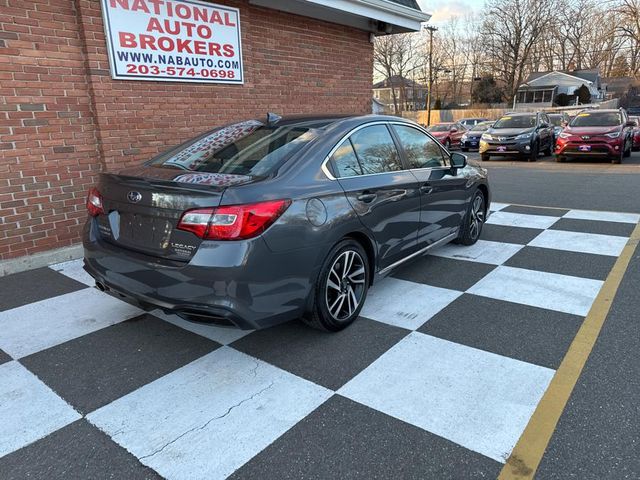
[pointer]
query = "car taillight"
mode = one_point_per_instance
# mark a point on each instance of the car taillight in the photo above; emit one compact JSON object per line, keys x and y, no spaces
{"x":233,"y":222}
{"x":94,"y":203}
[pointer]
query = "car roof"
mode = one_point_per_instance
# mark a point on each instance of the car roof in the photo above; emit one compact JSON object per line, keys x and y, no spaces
{"x":324,"y":121}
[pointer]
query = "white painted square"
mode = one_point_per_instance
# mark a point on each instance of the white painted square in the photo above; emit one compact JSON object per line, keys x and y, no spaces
{"x":497,"y":206}
{"x":208,"y":418}
{"x":603,"y":216}
{"x":29,"y":410}
{"x":483,"y":251}
{"x":552,"y":291}
{"x":580,"y":242}
{"x":474,"y":398}
{"x":405,"y":304}
{"x":39,"y":325}
{"x":525,"y":220}
{"x":223,"y":335}
{"x":73,"y":269}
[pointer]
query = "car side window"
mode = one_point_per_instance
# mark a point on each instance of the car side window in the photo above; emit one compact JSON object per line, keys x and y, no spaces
{"x":345,"y":160}
{"x":375,"y":150}
{"x":421,"y":150}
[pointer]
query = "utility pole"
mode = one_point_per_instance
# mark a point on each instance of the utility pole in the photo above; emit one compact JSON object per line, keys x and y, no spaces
{"x":431,"y":30}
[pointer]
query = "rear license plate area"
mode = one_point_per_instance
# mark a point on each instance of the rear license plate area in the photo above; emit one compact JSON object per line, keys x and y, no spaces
{"x":145,"y":231}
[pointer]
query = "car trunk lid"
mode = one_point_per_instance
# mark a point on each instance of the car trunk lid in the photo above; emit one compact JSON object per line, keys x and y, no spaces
{"x":142,"y":208}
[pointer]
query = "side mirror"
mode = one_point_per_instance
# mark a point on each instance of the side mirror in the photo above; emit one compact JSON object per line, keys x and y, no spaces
{"x":458,"y":160}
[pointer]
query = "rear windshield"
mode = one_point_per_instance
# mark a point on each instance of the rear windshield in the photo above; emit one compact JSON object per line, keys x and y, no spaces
{"x":440,"y":128}
{"x":519,"y":121}
{"x":556,"y":120}
{"x":246,"y":148}
{"x":597,"y":119}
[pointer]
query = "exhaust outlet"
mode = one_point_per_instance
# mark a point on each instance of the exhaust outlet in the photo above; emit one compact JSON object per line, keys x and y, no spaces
{"x":100,"y":287}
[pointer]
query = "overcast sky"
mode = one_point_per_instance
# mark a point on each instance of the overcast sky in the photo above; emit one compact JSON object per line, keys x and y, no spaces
{"x":443,"y":10}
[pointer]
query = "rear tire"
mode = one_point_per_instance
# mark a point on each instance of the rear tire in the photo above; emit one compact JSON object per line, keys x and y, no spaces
{"x":473,"y":221}
{"x":549,"y":150}
{"x":341,"y":288}
{"x":627,"y":152}
{"x":464,"y":149}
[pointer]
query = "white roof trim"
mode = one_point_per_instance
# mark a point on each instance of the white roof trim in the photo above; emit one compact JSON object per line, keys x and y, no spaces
{"x":399,"y":16}
{"x":561,"y":73}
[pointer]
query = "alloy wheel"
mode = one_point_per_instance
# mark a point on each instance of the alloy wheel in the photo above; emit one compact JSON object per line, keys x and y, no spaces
{"x":345,"y":285}
{"x":477,"y":216}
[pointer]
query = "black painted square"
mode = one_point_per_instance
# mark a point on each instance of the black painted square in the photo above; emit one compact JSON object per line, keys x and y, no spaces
{"x":443,"y":272}
{"x":98,"y":368}
{"x":346,"y":440}
{"x":78,"y":450}
{"x":328,"y":359}
{"x":34,"y":285}
{"x":531,"y":334}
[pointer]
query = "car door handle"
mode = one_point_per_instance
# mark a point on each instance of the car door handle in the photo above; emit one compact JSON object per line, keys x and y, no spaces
{"x":367,"y":197}
{"x":426,"y":189}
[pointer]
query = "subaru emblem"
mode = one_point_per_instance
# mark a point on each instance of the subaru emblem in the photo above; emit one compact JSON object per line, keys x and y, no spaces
{"x":134,"y":197}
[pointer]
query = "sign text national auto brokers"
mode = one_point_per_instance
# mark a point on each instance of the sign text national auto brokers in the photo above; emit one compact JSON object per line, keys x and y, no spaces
{"x":173,"y":40}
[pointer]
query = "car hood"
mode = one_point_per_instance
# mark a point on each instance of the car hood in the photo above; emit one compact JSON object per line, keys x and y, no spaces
{"x":591,"y":130}
{"x":439,"y":134}
{"x":508,"y":132}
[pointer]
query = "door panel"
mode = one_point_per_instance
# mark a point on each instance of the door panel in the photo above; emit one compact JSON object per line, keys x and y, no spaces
{"x":381,"y":191}
{"x":389,"y":206}
{"x":442,"y":191}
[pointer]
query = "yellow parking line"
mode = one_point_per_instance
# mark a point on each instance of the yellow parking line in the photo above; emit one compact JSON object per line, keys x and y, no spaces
{"x":527,"y":453}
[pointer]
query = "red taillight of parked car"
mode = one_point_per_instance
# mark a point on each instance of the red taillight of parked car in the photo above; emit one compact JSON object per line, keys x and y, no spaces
{"x":94,"y":203}
{"x":233,"y":222}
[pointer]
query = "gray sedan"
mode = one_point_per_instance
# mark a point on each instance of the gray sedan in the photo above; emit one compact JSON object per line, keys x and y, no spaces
{"x":265,"y":221}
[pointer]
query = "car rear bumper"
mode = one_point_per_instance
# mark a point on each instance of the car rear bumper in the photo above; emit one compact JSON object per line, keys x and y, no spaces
{"x":242,"y":284}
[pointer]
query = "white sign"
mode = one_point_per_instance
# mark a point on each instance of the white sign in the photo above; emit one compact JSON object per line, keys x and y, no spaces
{"x":173,"y":40}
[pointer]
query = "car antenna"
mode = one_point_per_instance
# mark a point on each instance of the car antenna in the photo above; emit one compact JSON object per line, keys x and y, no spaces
{"x":272,"y":118}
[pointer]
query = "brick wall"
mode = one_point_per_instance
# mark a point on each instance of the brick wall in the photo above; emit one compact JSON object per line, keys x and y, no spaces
{"x":63,"y":119}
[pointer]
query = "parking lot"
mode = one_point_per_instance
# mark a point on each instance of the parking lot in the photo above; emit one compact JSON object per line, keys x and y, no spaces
{"x":439,"y":378}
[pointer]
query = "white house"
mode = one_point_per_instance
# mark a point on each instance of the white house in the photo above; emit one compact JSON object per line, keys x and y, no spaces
{"x":541,"y":89}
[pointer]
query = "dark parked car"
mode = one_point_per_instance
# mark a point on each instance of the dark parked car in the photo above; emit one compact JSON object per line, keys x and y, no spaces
{"x":471,"y":138}
{"x":257,"y":223}
{"x":521,"y":134}
{"x":597,"y":133}
{"x":559,"y":121}
{"x":447,"y":133}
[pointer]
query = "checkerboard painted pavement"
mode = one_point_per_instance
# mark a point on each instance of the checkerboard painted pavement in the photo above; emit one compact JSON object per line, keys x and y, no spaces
{"x":438,"y":379}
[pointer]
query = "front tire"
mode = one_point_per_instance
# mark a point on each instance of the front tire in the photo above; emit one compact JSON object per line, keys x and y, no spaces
{"x":484,"y":157}
{"x":341,"y":289}
{"x":533,"y":156}
{"x":474,"y":219}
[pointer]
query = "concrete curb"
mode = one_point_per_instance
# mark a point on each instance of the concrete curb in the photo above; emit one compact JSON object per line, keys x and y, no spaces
{"x":43,"y":259}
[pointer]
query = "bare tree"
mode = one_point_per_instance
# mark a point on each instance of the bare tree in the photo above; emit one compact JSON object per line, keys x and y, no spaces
{"x":511,"y":30}
{"x":629,"y":28}
{"x":395,"y":56}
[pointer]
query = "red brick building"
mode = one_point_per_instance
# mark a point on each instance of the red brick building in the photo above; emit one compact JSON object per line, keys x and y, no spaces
{"x":63,"y":118}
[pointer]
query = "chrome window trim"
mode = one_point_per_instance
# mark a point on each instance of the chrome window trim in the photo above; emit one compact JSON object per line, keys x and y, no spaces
{"x":330,"y":176}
